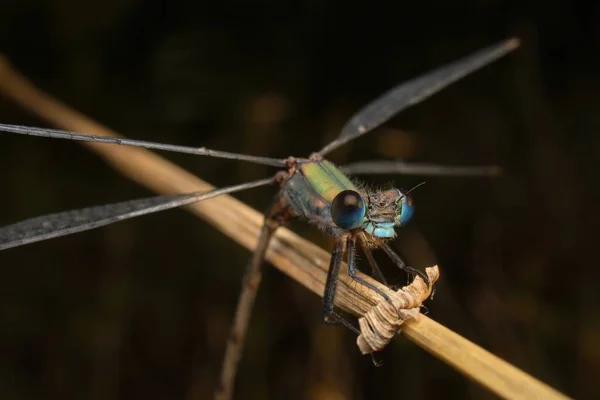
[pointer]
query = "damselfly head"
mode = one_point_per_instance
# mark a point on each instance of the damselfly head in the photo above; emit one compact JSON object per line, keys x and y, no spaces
{"x":385,"y":206}
{"x":378,"y":214}
{"x":387,"y":210}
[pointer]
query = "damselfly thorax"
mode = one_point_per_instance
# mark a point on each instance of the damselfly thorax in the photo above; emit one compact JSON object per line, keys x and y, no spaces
{"x":316,"y":190}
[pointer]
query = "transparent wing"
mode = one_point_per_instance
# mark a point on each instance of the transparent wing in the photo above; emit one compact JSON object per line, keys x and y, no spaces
{"x":415,"y":91}
{"x":59,"y":134}
{"x":68,"y":222}
{"x":404,"y":168}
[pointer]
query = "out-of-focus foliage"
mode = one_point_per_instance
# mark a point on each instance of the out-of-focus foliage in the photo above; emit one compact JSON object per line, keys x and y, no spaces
{"x":142,"y":309}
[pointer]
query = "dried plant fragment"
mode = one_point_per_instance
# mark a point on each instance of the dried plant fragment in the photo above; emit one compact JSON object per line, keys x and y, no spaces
{"x":382,"y":322}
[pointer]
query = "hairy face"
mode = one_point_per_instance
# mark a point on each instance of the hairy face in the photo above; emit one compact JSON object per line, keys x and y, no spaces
{"x":384,"y":206}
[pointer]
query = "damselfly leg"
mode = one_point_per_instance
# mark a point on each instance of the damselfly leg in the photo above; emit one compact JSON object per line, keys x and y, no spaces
{"x":402,"y":265}
{"x":374,"y":266}
{"x":353,"y":274}
{"x":329,"y":315}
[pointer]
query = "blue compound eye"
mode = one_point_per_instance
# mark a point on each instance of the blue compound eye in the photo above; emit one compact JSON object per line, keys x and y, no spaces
{"x":348,"y":209}
{"x":407,"y":209}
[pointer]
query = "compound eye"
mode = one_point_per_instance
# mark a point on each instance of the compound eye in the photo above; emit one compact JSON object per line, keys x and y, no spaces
{"x":407,"y":209}
{"x":348,"y":209}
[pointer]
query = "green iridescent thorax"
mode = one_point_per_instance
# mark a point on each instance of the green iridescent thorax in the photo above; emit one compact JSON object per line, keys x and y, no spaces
{"x":312,"y":188}
{"x":326,"y":179}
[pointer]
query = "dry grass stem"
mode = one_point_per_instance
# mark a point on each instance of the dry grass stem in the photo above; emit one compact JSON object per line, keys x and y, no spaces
{"x":299,"y":259}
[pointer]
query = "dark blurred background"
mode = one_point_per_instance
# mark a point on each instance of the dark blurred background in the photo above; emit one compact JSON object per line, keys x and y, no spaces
{"x":141,"y":309}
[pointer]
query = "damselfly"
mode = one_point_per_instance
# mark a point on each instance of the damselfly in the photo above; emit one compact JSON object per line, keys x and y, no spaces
{"x":310,"y":188}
